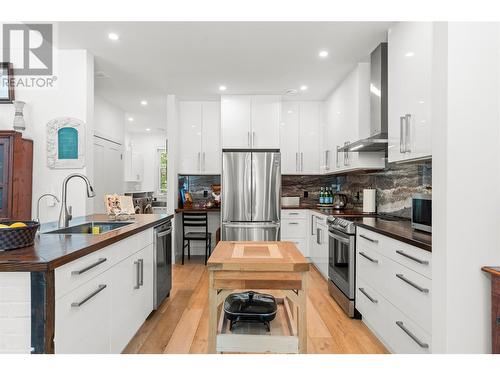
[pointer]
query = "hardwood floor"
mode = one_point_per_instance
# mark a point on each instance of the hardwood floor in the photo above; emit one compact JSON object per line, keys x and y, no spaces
{"x":180,"y":325}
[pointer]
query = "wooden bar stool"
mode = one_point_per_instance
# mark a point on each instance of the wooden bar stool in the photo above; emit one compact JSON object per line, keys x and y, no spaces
{"x":195,"y":220}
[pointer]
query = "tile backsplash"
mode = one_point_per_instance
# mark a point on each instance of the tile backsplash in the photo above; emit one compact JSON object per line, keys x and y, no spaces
{"x":395,"y":185}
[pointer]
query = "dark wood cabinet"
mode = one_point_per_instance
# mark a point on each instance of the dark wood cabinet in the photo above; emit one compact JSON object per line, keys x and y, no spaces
{"x":16,"y":176}
{"x":495,"y":307}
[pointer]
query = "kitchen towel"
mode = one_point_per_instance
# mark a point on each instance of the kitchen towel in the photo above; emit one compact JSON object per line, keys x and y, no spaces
{"x":369,"y":200}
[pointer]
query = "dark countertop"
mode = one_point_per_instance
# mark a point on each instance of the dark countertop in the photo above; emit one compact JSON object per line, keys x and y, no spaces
{"x":495,"y":271}
{"x":53,"y":250}
{"x":197,"y":209}
{"x":399,"y":230}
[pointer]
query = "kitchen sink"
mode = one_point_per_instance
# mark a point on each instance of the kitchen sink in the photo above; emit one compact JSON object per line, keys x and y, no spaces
{"x":86,"y":228}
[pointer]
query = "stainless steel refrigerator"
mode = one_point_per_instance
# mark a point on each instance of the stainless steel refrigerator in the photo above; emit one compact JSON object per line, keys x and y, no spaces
{"x":251,"y":190}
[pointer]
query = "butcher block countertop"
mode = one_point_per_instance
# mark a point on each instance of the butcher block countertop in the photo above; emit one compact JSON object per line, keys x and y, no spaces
{"x":257,"y":256}
{"x":53,"y":250}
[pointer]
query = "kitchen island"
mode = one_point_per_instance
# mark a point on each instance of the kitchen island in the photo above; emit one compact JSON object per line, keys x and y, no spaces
{"x":45,"y":283}
{"x":276,"y":265}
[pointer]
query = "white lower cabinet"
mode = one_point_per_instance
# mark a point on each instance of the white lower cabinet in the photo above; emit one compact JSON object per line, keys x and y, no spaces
{"x":319,"y":243}
{"x":102,"y":314}
{"x":394,"y":291}
{"x":132,"y":292}
{"x":82,"y":318}
{"x":294,"y":228}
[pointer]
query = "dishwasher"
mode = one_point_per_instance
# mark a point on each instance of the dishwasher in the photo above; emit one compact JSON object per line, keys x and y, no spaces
{"x":162,"y":262}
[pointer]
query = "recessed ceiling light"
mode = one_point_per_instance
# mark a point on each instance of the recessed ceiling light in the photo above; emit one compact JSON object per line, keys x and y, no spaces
{"x":148,"y":129}
{"x":303,"y":88}
{"x":144,"y":102}
{"x":409,"y":54}
{"x":131,"y":119}
{"x":113,"y":36}
{"x":323,"y":54}
{"x":222,"y":88}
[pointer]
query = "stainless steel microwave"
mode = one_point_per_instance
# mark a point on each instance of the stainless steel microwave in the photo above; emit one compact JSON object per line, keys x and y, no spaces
{"x":421,"y":212}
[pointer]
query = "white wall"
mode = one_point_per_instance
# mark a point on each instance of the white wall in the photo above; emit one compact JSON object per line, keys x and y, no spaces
{"x":72,"y":96}
{"x":466,"y":139}
{"x":109,"y":120}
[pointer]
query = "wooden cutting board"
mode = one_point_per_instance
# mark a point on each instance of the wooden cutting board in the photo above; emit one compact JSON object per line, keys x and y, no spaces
{"x":257,"y":256}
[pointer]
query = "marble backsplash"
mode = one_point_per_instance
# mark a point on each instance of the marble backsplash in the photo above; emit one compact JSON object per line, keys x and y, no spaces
{"x":395,"y":185}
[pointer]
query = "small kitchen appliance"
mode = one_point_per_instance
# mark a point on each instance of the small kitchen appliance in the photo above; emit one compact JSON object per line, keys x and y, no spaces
{"x":250,"y":307}
{"x":339,"y":201}
{"x":421,"y":212}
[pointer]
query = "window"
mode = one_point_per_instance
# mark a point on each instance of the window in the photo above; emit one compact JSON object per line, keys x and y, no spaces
{"x":162,"y":171}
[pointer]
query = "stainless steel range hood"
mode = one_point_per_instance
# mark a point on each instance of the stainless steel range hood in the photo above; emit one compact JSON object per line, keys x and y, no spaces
{"x":377,"y":141}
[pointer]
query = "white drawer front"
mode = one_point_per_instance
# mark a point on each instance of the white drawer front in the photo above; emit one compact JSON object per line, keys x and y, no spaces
{"x":301,"y":243}
{"x":412,"y":257}
{"x":411,"y":293}
{"x":294,"y":214}
{"x":373,"y":268}
{"x":71,"y":275}
{"x":406,"y":337}
{"x":84,"y":328}
{"x":78,"y":272}
{"x":294,"y":228}
{"x":373,"y":307}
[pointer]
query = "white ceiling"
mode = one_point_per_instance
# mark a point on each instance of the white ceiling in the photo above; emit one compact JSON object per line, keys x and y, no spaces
{"x":191,"y":59}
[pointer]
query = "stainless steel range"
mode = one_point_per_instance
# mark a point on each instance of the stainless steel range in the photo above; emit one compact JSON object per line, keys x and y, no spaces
{"x":342,"y":262}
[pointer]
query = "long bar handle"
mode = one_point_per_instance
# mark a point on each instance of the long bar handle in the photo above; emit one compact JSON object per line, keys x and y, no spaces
{"x":372,"y":300}
{"x":248,"y":139}
{"x":401,"y":132}
{"x":327,"y":160}
{"x":141,"y":274}
{"x":408,"y":133}
{"x":293,"y":223}
{"x":302,"y":162}
{"x":89,"y":267}
{"x":90,"y":296}
{"x":137,"y":264}
{"x":296,"y":162}
{"x":337,"y":161}
{"x":199,"y":161}
{"x":312,"y":225}
{"x":412,"y":336}
{"x":164,"y":233}
{"x":253,"y":139}
{"x":203,"y":162}
{"x":420,"y":261}
{"x":411,"y":283}
{"x":367,"y":257}
{"x":368,"y":238}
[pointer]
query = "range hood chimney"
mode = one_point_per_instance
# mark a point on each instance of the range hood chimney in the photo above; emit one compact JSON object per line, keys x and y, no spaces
{"x":377,"y":141}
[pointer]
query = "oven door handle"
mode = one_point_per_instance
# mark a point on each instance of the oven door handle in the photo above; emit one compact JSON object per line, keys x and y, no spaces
{"x":338,"y":238}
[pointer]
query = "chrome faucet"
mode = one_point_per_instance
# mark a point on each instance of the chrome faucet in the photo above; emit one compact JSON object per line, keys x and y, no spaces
{"x":65,"y":216}
{"x":38,"y":204}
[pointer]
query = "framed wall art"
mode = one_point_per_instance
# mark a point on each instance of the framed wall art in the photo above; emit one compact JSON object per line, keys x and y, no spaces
{"x":66,"y":143}
{"x":6,"y":88}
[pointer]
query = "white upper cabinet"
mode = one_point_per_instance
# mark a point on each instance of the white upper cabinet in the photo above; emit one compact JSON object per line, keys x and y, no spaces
{"x":347,"y":116}
{"x":409,"y":88}
{"x":235,"y":121}
{"x":250,"y":121}
{"x":200,"y":151}
{"x":300,"y":137}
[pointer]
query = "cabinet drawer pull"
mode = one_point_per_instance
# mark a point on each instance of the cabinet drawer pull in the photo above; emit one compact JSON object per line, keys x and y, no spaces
{"x":293,"y":223}
{"x":412,"y":336}
{"x":83,"y":270}
{"x":367,"y":257}
{"x":137,"y":265}
{"x":368,"y":238}
{"x":93,"y":294}
{"x":293,"y":213}
{"x":141,"y":269}
{"x":409,"y":282}
{"x":420,"y":261}
{"x":372,"y":300}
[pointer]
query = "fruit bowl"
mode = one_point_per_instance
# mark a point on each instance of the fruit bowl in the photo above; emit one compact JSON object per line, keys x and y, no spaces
{"x":18,"y":235}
